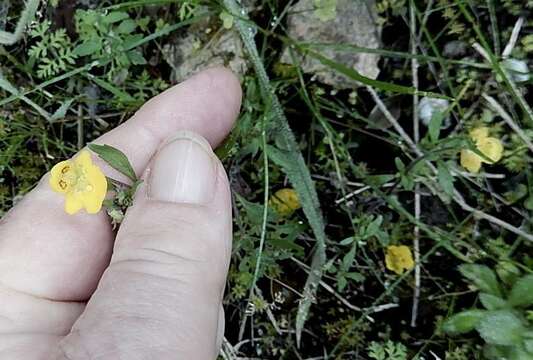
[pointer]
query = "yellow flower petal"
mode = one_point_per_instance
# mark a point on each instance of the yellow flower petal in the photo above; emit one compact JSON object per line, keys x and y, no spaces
{"x":399,"y":259}
{"x":479,"y":133}
{"x":491,"y":148}
{"x":470,"y":161}
{"x":55,"y":180}
{"x":82,"y":182}
{"x":73,"y":203}
{"x":285,"y":201}
{"x":91,"y":202}
{"x":83,"y":159}
{"x":95,"y":193}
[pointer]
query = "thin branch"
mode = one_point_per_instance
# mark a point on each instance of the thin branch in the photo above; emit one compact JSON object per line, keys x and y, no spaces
{"x":416,"y":133}
{"x":457,"y":197}
{"x":508,"y":120}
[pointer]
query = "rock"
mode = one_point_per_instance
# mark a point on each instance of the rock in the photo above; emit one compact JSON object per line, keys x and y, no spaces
{"x":354,"y":23}
{"x":427,"y":107}
{"x":518,"y":69}
{"x":454,"y":49}
{"x":198,"y":49}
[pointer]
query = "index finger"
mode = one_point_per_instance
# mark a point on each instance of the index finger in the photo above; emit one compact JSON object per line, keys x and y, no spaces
{"x":50,"y":254}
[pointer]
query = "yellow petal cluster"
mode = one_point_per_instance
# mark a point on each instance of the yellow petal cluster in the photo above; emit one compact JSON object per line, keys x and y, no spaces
{"x":285,"y":202}
{"x":491,"y":147}
{"x":398,"y":258}
{"x":83,"y":183}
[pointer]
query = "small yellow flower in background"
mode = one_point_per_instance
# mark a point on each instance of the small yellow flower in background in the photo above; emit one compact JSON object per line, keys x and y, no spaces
{"x":285,"y":201}
{"x":399,"y":258}
{"x":491,"y":147}
{"x":83,"y":183}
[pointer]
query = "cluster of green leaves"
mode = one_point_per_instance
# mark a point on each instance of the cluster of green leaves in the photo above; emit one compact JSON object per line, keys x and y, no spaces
{"x":387,"y":351}
{"x":52,"y":51}
{"x":280,"y":245}
{"x":110,"y":36}
{"x":505,"y":324}
{"x":109,"y":39}
{"x":367,"y":227}
{"x":123,"y":193}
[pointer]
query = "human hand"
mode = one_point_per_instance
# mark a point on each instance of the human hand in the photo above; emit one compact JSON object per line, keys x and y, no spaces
{"x":72,"y":289}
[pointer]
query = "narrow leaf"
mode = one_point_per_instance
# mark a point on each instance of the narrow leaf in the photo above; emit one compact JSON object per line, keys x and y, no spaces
{"x":61,"y":111}
{"x":463,"y":322}
{"x":293,"y":164}
{"x":115,"y":158}
{"x":122,"y":95}
{"x":382,"y":85}
{"x":445,"y":178}
{"x":435,"y":125}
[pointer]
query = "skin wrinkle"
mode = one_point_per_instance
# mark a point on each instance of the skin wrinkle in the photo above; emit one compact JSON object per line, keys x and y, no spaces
{"x":135,"y":262}
{"x":170,"y":255}
{"x":37,"y":297}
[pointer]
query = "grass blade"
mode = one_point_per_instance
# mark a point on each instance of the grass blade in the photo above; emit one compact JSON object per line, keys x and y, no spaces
{"x":288,"y":156}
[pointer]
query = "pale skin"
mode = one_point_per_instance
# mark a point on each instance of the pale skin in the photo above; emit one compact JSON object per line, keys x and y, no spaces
{"x":72,"y":290}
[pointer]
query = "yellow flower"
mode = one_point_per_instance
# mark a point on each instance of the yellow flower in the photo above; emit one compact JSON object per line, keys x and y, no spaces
{"x":83,"y":183}
{"x":285,"y":201}
{"x":399,"y":259}
{"x":491,"y":147}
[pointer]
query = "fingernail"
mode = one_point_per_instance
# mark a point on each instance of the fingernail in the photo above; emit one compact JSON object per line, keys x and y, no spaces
{"x":184,"y":170}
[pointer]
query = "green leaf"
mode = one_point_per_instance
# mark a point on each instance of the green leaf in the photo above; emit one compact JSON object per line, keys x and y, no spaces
{"x":355,"y":276}
{"x":115,"y":158}
{"x":435,"y":125}
{"x":347,"y":241}
{"x":501,"y":327}
{"x":522,"y":292}
{"x":136,"y":57}
{"x":127,"y":26}
{"x":115,"y":16}
{"x":399,"y":164}
{"x":519,"y":353}
{"x":61,"y":111}
{"x":347,"y":261}
{"x":463,"y":322}
{"x":495,"y":352}
{"x":491,"y":302}
{"x":373,"y":228}
{"x":88,"y":47}
{"x":482,"y":277}
{"x":528,"y":345}
{"x":353,"y":74}
{"x":341,"y":283}
{"x":120,"y":94}
{"x":507,"y":272}
{"x":445,"y":178}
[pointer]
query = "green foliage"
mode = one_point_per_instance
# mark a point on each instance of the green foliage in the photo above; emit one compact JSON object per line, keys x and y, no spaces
{"x":504,"y":325}
{"x":387,"y":351}
{"x":116,"y":159}
{"x":52,"y":51}
{"x":110,"y":36}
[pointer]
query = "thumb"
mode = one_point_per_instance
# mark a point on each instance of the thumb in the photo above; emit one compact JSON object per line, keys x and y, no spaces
{"x":160,"y":297}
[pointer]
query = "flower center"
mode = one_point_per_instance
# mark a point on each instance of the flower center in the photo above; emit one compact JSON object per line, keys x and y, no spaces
{"x":75,"y":179}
